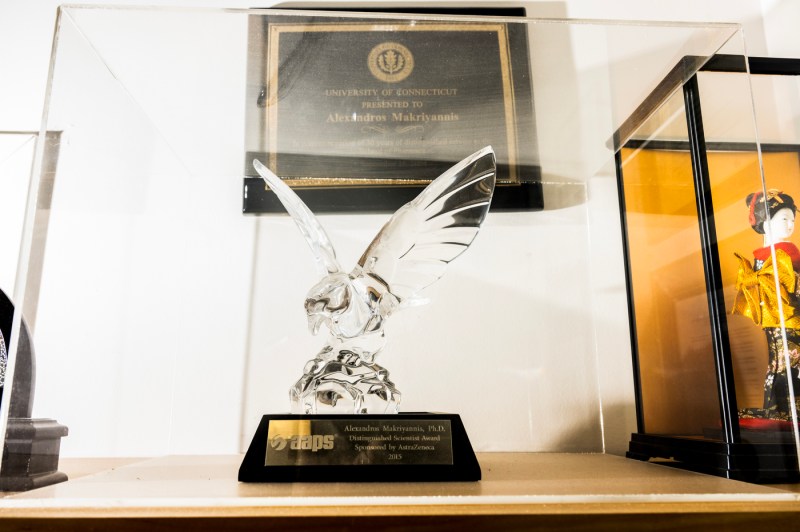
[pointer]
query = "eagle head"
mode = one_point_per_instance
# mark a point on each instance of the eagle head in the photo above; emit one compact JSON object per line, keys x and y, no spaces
{"x":336,"y":302}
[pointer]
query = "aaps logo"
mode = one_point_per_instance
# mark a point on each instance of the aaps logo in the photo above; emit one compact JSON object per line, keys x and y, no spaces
{"x":309,"y":442}
{"x":278,"y":443}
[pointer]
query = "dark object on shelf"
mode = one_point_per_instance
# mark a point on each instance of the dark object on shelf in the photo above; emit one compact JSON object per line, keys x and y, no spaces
{"x":21,"y":404}
{"x":30,"y":454}
{"x":718,"y":441}
{"x":31,"y":446}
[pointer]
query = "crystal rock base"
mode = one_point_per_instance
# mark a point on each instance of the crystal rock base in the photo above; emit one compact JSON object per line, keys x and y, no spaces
{"x":344,"y":383}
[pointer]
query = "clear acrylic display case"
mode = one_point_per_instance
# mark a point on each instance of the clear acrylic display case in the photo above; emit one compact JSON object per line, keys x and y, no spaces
{"x":166,"y":321}
{"x":710,"y":342}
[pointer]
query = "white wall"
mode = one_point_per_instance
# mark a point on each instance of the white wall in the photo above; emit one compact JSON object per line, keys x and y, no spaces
{"x":554,"y":378}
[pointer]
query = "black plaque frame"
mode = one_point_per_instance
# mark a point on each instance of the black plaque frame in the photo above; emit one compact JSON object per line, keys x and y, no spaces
{"x":382,"y":185}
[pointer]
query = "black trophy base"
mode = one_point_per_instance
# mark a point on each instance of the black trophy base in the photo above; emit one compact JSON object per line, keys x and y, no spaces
{"x":767,"y":462}
{"x":30,"y":454}
{"x":411,"y":447}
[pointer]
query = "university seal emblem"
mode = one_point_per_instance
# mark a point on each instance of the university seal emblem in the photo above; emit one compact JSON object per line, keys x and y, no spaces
{"x":391,"y":62}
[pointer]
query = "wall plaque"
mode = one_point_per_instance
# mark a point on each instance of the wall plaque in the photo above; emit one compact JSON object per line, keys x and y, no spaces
{"x":360,"y":114}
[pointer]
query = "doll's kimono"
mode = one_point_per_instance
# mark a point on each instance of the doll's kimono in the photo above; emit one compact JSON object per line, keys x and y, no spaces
{"x":758,"y":299}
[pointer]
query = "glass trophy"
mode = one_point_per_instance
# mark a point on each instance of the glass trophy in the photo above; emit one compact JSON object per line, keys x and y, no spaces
{"x":344,"y":406}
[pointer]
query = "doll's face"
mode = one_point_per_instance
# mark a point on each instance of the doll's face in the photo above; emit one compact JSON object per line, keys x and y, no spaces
{"x":781,"y":225}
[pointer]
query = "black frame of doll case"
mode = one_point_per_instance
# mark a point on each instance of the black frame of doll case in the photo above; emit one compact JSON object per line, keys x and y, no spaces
{"x":728,"y":454}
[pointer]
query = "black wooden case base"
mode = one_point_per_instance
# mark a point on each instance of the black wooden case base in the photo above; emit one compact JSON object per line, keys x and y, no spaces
{"x":750,"y":462}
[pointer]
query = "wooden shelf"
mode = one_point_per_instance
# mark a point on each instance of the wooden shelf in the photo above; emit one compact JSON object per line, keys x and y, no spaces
{"x":519,"y":490}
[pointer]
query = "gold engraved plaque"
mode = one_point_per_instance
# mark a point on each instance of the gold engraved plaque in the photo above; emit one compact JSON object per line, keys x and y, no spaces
{"x":359,"y":441}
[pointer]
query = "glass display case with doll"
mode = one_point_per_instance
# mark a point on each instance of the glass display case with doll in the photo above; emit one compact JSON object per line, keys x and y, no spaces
{"x":700,"y":189}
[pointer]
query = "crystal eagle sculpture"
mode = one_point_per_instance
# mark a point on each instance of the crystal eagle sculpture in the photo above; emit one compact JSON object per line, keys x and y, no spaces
{"x":409,"y":253}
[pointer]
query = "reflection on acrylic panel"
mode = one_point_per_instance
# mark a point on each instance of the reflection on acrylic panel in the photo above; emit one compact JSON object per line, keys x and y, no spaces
{"x":677,"y":379}
{"x":409,"y":253}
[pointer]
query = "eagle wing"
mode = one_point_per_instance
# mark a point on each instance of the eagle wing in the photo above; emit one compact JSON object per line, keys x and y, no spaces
{"x":308,"y":224}
{"x":415,"y":246}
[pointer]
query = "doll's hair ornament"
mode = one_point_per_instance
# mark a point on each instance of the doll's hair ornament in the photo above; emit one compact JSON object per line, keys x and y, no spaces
{"x":775,"y":201}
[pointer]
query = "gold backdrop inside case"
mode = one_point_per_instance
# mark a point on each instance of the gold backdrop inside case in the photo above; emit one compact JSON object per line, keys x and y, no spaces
{"x":673,"y":330}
